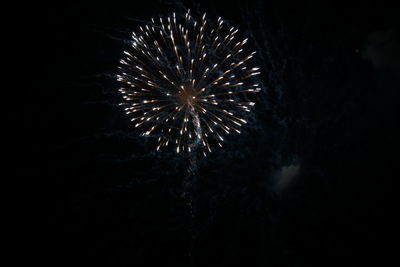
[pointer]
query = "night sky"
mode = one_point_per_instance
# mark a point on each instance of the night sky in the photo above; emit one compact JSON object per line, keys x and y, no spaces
{"x":310,"y":182}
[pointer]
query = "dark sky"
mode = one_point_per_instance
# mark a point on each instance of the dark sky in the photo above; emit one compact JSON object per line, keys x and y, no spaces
{"x":310,"y":182}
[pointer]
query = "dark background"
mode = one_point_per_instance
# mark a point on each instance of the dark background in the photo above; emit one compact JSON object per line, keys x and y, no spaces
{"x":309,"y":183}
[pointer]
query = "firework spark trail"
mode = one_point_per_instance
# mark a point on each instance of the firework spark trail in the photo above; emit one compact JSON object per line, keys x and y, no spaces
{"x":188,"y":82}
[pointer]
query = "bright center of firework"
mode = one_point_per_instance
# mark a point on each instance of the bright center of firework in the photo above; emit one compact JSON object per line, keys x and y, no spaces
{"x":186,"y":96}
{"x":188,"y":82}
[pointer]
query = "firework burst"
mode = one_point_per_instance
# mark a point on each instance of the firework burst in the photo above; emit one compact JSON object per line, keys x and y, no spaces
{"x":188,"y":82}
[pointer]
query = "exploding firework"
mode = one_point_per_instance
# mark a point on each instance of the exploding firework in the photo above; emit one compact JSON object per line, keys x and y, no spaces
{"x":188,"y":82}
